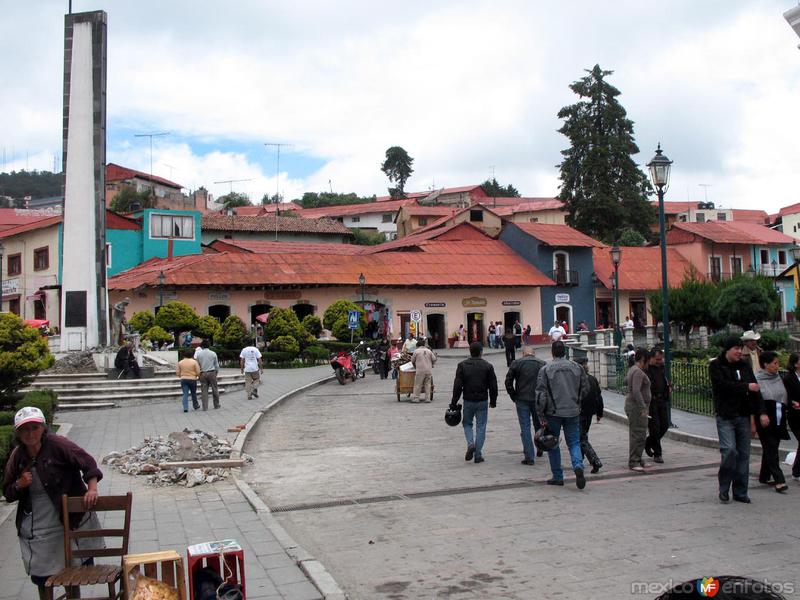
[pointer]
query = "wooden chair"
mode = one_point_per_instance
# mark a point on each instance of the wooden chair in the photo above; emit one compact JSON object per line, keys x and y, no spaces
{"x":73,"y":578}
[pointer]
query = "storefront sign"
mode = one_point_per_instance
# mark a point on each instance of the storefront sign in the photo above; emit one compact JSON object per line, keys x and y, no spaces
{"x":219,"y":296}
{"x":10,"y":286}
{"x":511,"y":303}
{"x":168,"y":296}
{"x":435,"y":304}
{"x":473,"y":302}
{"x":282,"y":294}
{"x":562,"y":297}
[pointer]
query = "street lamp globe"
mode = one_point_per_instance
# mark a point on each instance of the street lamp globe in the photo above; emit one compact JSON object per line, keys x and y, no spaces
{"x":659,"y":169}
{"x":361,"y":279}
{"x":616,"y":255}
{"x":161,"y":278}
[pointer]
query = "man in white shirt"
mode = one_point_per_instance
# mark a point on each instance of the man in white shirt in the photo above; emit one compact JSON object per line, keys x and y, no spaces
{"x":557,"y":332}
{"x":410,"y":345}
{"x":628,"y":322}
{"x":251,"y":365}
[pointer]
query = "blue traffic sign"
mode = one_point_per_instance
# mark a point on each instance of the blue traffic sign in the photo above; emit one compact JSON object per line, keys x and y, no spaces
{"x":352,"y":319}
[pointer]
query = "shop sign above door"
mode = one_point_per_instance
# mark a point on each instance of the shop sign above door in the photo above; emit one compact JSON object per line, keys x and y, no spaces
{"x":473,"y":302}
{"x":562,"y":297}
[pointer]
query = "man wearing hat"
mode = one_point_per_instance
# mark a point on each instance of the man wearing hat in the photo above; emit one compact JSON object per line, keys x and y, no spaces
{"x":736,"y":399}
{"x":751,"y":350}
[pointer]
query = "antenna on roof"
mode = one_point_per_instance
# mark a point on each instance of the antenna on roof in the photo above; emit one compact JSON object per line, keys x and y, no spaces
{"x":151,"y":136}
{"x":705,"y":187}
{"x":231,"y":182}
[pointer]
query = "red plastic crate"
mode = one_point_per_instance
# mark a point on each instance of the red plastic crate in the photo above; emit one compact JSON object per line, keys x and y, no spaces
{"x":212,"y":555}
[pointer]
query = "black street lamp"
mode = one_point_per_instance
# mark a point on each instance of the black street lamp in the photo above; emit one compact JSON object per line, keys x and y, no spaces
{"x":616,"y":258}
{"x":2,"y":251}
{"x":161,"y":281}
{"x":362,"y":282}
{"x":659,"y":175}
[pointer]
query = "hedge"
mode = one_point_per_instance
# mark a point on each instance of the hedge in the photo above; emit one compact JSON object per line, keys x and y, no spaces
{"x":277,"y":357}
{"x":7,"y":417}
{"x":6,"y":439}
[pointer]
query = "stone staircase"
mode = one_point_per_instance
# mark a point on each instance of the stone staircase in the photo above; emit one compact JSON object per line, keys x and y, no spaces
{"x":82,"y":391}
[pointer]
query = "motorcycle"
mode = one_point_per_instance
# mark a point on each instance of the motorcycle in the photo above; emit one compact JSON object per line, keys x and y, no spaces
{"x":347,"y":365}
{"x":375,"y":358}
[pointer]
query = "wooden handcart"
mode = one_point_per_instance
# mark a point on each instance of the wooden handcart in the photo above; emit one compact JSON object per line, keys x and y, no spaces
{"x":404,"y":384}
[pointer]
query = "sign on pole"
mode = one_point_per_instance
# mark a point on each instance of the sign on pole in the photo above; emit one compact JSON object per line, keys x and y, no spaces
{"x":416,"y":316}
{"x":352,"y":322}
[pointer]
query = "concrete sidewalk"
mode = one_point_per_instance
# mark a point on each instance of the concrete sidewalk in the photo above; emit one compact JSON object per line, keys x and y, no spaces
{"x":173,"y":517}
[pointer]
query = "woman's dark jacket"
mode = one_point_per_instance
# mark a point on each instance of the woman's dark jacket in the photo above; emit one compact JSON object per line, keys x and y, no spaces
{"x":592,"y":404}
{"x":62,"y":466}
{"x":792,"y":384}
{"x":729,"y":387}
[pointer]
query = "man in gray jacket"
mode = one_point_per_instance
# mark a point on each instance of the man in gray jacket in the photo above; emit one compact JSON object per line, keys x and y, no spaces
{"x":521,"y":387}
{"x":561,"y":386}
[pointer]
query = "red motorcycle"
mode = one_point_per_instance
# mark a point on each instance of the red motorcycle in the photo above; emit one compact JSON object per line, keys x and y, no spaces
{"x":347,"y":366}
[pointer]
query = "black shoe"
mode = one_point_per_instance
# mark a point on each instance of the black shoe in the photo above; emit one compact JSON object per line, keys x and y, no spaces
{"x":596,"y":467}
{"x":742,"y":499}
{"x":766,"y":482}
{"x":555,"y":482}
{"x":724,"y":497}
{"x":478,"y":459}
{"x":580,"y":480}
{"x":185,"y":410}
{"x":781,"y":488}
{"x":470,"y":453}
{"x":255,"y":393}
{"x":527,"y":461}
{"x":539,"y":453}
{"x":195,"y":406}
{"x":648,"y":450}
{"x":658,"y":459}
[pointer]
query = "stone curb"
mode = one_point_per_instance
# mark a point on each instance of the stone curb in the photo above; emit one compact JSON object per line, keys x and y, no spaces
{"x":313,"y":569}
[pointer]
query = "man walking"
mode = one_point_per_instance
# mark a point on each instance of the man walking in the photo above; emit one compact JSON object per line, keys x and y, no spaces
{"x":521,"y":387}
{"x":751,"y":350}
{"x":560,"y":388}
{"x":251,"y":366}
{"x":423,"y":360}
{"x":592,"y":404}
{"x":735,"y":393}
{"x":517,"y":334}
{"x":209,"y":368}
{"x":475,"y":379}
{"x":508,"y":342}
{"x":658,"y":424}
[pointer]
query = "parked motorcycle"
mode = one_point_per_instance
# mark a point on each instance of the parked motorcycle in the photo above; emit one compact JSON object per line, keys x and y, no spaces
{"x":347,"y":365}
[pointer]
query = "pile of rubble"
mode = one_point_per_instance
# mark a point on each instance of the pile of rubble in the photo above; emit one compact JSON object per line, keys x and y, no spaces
{"x":188,"y":445}
{"x":74,"y":362}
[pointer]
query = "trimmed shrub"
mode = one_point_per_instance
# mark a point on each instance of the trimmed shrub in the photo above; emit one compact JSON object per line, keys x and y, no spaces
{"x":23,"y":353}
{"x":339,"y":310}
{"x":277,"y":357}
{"x":234,"y":334}
{"x":7,"y":417}
{"x":177,"y":316}
{"x":157,"y":335}
{"x":333,"y":346}
{"x":282,"y":322}
{"x":774,"y":339}
{"x":207,"y":328}
{"x":285,"y":343}
{"x":142,"y":321}
{"x":44,"y":400}
{"x":316,"y":354}
{"x":312,"y":325}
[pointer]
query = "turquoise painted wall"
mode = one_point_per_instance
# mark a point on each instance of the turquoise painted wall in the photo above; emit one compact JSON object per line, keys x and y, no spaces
{"x":157,"y":246}
{"x":126,"y":249}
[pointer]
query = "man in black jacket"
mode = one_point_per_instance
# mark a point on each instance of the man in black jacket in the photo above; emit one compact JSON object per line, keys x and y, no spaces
{"x":521,"y":386}
{"x":736,"y":394}
{"x":475,"y":379}
{"x":591,"y":404}
{"x":658,"y":423}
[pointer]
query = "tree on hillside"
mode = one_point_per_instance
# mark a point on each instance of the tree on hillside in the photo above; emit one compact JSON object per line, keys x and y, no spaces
{"x":397,"y":168}
{"x":603,"y":188}
{"x":36,"y":184}
{"x":273,"y":199}
{"x":495,"y":190}
{"x":128,"y":199}
{"x":234,"y":199}
{"x":316,"y":200}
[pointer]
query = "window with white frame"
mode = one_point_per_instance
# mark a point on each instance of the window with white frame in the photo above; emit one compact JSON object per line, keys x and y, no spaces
{"x":171,"y":226}
{"x":108,"y":256}
{"x":736,"y":265}
{"x":714,"y":268}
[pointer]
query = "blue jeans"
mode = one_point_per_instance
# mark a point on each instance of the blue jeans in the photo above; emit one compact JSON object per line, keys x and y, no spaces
{"x":492,"y":342}
{"x":189,"y":385}
{"x":734,"y":448}
{"x":526,"y":416}
{"x":572,"y":433}
{"x":480,"y":412}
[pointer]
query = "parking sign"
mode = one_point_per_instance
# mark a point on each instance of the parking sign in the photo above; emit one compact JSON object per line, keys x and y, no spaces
{"x":352,"y":319}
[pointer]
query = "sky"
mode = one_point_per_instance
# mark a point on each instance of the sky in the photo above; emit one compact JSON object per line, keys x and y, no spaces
{"x":470,"y":88}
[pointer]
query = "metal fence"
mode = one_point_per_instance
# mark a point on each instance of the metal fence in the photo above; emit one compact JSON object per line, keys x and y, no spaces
{"x":691,"y":385}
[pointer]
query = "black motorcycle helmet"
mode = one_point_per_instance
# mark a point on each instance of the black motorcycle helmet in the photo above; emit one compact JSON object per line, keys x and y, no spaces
{"x":544,"y":440}
{"x":452,"y":416}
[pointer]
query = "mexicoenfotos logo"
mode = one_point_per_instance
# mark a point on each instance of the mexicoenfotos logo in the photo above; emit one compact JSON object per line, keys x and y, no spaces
{"x":707,"y":587}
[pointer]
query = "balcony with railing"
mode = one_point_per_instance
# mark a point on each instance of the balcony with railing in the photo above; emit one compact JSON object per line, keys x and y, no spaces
{"x":717,"y":276}
{"x":564,"y":276}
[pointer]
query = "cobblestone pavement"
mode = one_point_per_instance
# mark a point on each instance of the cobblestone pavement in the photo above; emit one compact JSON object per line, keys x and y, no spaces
{"x":378,"y":491}
{"x":174,"y":517}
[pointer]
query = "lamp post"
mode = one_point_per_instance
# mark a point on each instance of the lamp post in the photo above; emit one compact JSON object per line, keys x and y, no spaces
{"x":362,"y":281}
{"x":2,"y":251}
{"x":659,"y":175}
{"x":161,"y":280}
{"x":616,"y":258}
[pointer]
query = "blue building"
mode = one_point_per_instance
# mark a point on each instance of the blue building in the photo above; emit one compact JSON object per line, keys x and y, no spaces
{"x":565,"y":255}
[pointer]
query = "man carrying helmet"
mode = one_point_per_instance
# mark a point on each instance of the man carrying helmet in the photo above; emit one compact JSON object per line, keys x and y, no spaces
{"x":476,"y":380}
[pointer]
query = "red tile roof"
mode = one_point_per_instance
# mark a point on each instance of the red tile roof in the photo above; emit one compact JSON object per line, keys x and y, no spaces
{"x":262,"y":209}
{"x":528,"y":206}
{"x":115,"y":221}
{"x":363,"y":208}
{"x":458,"y":263}
{"x":41,"y":223}
{"x":760,"y":217}
{"x":429,"y":210}
{"x":477,"y":190}
{"x":14,"y":217}
{"x":462,"y":231}
{"x":729,"y":232}
{"x":640,"y":267}
{"x":792,"y":209}
{"x":118,"y":173}
{"x":673,"y":208}
{"x":558,"y":235}
{"x":217,"y":222}
{"x":270,"y":247}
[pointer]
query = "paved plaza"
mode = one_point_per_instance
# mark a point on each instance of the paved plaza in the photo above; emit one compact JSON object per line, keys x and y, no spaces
{"x":379,"y":492}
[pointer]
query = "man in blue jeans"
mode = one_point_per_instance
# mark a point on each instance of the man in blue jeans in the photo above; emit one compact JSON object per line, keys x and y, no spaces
{"x":521,"y":387}
{"x":475,"y":379}
{"x":736,"y":397}
{"x":560,"y":387}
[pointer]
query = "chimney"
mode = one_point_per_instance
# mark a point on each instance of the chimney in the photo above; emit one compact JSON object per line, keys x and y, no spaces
{"x":169,"y":249}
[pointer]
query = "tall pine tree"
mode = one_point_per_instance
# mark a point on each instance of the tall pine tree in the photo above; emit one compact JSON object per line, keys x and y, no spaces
{"x":603,"y":188}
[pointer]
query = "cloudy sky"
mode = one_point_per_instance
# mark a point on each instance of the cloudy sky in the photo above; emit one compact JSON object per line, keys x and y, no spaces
{"x":467,"y":87}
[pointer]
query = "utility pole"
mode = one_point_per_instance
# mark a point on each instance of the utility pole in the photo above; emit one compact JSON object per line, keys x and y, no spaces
{"x":277,"y":180}
{"x":151,"y":136}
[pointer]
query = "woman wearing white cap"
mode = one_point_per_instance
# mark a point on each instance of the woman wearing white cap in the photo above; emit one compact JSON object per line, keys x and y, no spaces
{"x":40,"y":469}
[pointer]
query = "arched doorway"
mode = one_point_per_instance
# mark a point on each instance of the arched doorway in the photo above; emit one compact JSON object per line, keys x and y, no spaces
{"x":437,"y":336}
{"x":303,"y":310}
{"x":220,"y":312}
{"x":258,"y":309}
{"x":564,"y":314}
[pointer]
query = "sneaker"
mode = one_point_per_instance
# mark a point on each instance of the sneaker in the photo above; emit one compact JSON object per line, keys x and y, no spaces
{"x":580,"y":480}
{"x":478,"y":459}
{"x":185,"y":410}
{"x":637,"y":468}
{"x":596,"y":467}
{"x":555,"y":482}
{"x":658,"y":459}
{"x":527,"y":461}
{"x":724,"y":497}
{"x":470,"y":453}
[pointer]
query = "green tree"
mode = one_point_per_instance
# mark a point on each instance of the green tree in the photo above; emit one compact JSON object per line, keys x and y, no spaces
{"x":746,"y":302}
{"x":367,"y":238}
{"x":631,"y":237}
{"x":23,"y":353}
{"x":495,"y":190}
{"x":312,"y":325}
{"x":158,"y":335}
{"x":176,"y":316}
{"x":690,"y":304}
{"x":273,"y":199}
{"x":128,"y":199}
{"x":142,"y":321}
{"x":36,"y":184}
{"x":337,"y":310}
{"x":316,"y":200}
{"x":397,"y":168}
{"x":285,"y":343}
{"x":341,"y":329}
{"x":602,"y":186}
{"x":207,"y":328}
{"x":234,"y":199}
{"x":283,"y":322}
{"x":234,"y":333}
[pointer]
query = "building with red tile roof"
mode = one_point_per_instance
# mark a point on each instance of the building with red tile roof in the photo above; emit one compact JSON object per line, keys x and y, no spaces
{"x":273,"y":247}
{"x":14,"y":217}
{"x":266,"y":227}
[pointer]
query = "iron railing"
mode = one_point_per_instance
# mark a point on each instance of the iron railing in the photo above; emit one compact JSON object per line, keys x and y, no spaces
{"x":564,"y":276}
